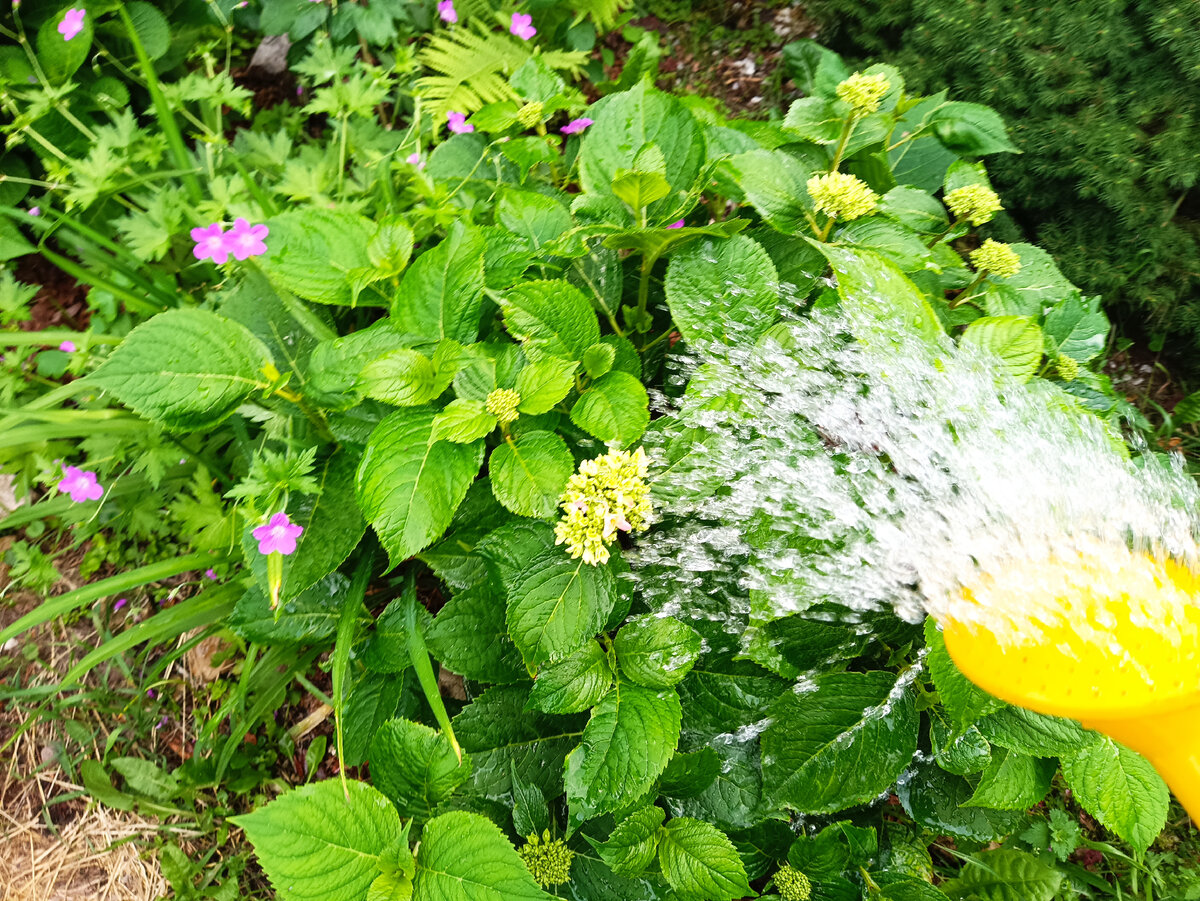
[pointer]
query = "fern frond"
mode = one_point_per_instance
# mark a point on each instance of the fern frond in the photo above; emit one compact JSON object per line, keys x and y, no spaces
{"x":603,"y":13}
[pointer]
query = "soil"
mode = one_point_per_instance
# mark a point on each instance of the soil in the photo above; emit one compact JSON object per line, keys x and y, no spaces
{"x":60,"y":304}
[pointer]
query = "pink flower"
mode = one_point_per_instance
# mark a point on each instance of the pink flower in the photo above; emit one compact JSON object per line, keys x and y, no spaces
{"x":414,"y":159}
{"x":35,"y":211}
{"x":278,"y":536}
{"x":447,"y":11}
{"x":121,"y":602}
{"x":210,"y":242}
{"x":575,"y":126}
{"x":457,"y":123}
{"x":210,"y":573}
{"x":678,"y":224}
{"x":72,"y":23}
{"x":67,"y":347}
{"x":522,"y":26}
{"x":80,"y":485}
{"x":245,"y":240}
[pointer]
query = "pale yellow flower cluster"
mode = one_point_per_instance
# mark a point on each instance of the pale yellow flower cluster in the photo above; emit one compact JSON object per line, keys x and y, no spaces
{"x":863,"y":92}
{"x":792,"y":884}
{"x":548,"y":860}
{"x":502,"y":403}
{"x":996,"y":259}
{"x":975,"y":203}
{"x":607,"y":495}
{"x":842,"y":195}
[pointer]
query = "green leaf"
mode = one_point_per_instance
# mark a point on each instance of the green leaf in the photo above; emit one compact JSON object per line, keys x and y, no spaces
{"x":186,"y":369}
{"x":1078,"y":331}
{"x":468,"y":636}
{"x":532,"y":215}
{"x":919,"y":210}
{"x":598,"y":360}
{"x":1004,"y":874}
{"x":1037,"y":288}
{"x":971,"y":129}
{"x":386,"y":649}
{"x":544,"y":382}
{"x":312,"y":252}
{"x":723,"y":292}
{"x":1013,"y":781}
{"x":332,"y":527}
{"x":408,"y":378}
{"x":550,"y":317}
{"x":795,"y":644}
{"x":463,"y":421}
{"x":626,"y":745}
{"x":61,"y":58}
{"x":530,"y":472}
{"x":317,"y":844}
{"x":615,"y":408}
{"x":573,"y":684}
{"x":409,"y":484}
{"x":13,"y":244}
{"x":959,"y":752}
{"x":688,"y":775}
{"x":152,"y":28}
{"x":631,"y":846}
{"x":700,"y":862}
{"x":906,"y":889}
{"x":877,"y":297}
{"x":891,"y":240}
{"x":145,"y":778}
{"x":932,"y":797}
{"x":815,"y":69}
{"x":503,"y":737}
{"x":734,"y":800}
{"x":309,"y":617}
{"x":415,"y":766}
{"x":391,"y":887}
{"x":657,"y":652}
{"x":839,"y":744}
{"x":374,"y":699}
{"x":556,"y":603}
{"x":335,"y":365}
{"x":465,"y":857}
{"x":964,"y":700}
{"x":531,"y":816}
{"x":1120,"y":789}
{"x":390,"y":248}
{"x":627,"y":122}
{"x":814,"y":119}
{"x":639,"y":189}
{"x":1016,"y":340}
{"x":441,"y":295}
{"x":775,"y":182}
{"x":1033,"y":733}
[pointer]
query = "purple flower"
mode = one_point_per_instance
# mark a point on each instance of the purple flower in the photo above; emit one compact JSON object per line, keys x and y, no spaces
{"x":278,"y":536}
{"x":245,"y":240}
{"x":522,"y":26}
{"x":121,"y":602}
{"x":678,"y":224}
{"x":162,"y":722}
{"x":447,"y":11}
{"x":210,"y":242}
{"x":414,"y":159}
{"x":80,"y":485}
{"x":35,"y":211}
{"x":575,"y":126}
{"x":210,"y":573}
{"x":72,"y":23}
{"x":68,"y":347}
{"x":150,"y":693}
{"x":457,"y":123}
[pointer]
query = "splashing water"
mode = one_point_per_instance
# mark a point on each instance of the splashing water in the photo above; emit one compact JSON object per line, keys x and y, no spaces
{"x":812,"y":467}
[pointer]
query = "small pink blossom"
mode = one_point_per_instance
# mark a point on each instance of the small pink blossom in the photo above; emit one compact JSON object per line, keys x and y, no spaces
{"x":68,"y":347}
{"x":162,"y":722}
{"x":151,"y":693}
{"x":414,"y":159}
{"x":121,"y":602}
{"x":447,"y":11}
{"x":210,"y":243}
{"x":35,"y":211}
{"x":575,"y":126}
{"x":245,"y":240}
{"x":211,"y":574}
{"x":522,"y":26}
{"x":457,"y":123}
{"x":80,"y":485}
{"x":678,"y":224}
{"x":278,"y":536}
{"x":72,"y":23}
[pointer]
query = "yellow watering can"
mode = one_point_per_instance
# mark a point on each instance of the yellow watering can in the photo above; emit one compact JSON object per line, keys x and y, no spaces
{"x":1110,"y":637}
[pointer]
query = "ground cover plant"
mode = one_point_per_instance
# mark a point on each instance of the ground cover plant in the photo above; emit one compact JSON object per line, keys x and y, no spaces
{"x":382,"y":368}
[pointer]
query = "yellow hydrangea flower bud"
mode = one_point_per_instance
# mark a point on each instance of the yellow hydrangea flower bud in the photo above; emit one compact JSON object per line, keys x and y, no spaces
{"x":607,"y":495}
{"x":792,"y":884}
{"x":548,"y":860}
{"x":864,"y":92}
{"x":1066,"y":367}
{"x":996,"y":259}
{"x":842,"y":195}
{"x":502,"y":403}
{"x":975,"y":203}
{"x":530,"y":114}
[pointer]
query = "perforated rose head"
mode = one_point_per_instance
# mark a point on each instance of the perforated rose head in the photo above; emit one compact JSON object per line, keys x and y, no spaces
{"x":575,"y":126}
{"x":245,"y":240}
{"x":278,"y":536}
{"x":522,"y":26}
{"x":210,"y":243}
{"x":80,"y":485}
{"x":72,"y":23}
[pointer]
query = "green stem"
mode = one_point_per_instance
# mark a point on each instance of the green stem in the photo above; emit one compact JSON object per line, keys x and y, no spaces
{"x":847,"y":130}
{"x":162,"y":110}
{"x":54,"y":336}
{"x":966,"y":294}
{"x":418,"y":653}
{"x":648,"y":262}
{"x":79,"y":273}
{"x":341,"y":654}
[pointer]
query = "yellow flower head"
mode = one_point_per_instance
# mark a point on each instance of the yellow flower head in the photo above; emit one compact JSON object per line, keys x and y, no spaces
{"x":842,"y":195}
{"x":792,"y":884}
{"x":608,"y":495}
{"x":996,"y":259}
{"x":1066,"y":367}
{"x":531,"y":114}
{"x":502,"y":403}
{"x":975,"y":203}
{"x":864,"y":92}
{"x":548,"y":861}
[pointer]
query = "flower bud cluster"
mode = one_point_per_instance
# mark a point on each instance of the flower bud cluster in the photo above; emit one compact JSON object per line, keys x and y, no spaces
{"x":548,"y":860}
{"x":863,"y":92}
{"x":842,"y":195}
{"x":607,"y":495}
{"x":502,"y":403}
{"x":996,"y":259}
{"x":975,"y":203}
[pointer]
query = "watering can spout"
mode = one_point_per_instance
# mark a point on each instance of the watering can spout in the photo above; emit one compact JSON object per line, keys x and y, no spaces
{"x":1110,"y":638}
